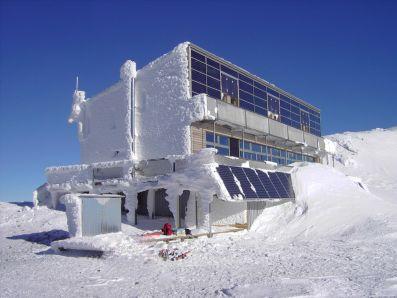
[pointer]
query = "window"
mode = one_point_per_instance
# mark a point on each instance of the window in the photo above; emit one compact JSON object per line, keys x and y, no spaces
{"x":209,"y":137}
{"x":304,"y":121}
{"x":229,"y":89}
{"x":213,"y":72}
{"x":198,"y":56}
{"x":198,"y":77}
{"x":198,"y":88}
{"x":220,"y":142}
{"x":197,"y":65}
{"x":273,"y":107}
{"x":252,"y":151}
{"x":211,"y":76}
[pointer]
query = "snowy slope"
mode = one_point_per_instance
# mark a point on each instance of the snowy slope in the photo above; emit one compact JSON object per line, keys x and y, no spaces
{"x":336,"y":240}
{"x":328,"y":204}
{"x":371,"y":155}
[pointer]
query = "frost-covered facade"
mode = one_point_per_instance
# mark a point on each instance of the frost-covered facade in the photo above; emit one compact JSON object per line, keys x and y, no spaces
{"x":158,"y":135}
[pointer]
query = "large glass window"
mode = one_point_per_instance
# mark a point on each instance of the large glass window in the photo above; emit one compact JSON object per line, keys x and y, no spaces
{"x":219,"y":81}
{"x":254,"y":151}
{"x":229,"y":89}
{"x":305,"y":121}
{"x":274,"y":107}
{"x":220,"y":142}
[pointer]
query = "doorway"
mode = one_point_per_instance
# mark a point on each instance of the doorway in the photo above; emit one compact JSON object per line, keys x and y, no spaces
{"x":234,"y":147}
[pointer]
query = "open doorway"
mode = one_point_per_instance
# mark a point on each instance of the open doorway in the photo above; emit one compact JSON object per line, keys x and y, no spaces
{"x":234,"y":147}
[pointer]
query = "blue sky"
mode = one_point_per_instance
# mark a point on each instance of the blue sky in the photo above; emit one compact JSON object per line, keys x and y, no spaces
{"x":338,"y":55}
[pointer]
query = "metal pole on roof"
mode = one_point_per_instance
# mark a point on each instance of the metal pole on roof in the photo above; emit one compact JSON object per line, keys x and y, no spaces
{"x":77,"y":83}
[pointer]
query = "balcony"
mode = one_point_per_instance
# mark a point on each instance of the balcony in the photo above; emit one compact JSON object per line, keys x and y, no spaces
{"x":281,"y":134}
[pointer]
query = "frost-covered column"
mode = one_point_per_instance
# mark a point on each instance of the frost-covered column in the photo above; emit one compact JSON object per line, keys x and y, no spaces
{"x":53,"y":203}
{"x":127,"y":76}
{"x":73,"y":214}
{"x":150,"y":202}
{"x":172,"y":198}
{"x":131,"y":203}
{"x":205,"y":219}
{"x":191,"y":212}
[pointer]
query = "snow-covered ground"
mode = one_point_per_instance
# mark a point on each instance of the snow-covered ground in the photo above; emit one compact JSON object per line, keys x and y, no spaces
{"x":338,"y":239}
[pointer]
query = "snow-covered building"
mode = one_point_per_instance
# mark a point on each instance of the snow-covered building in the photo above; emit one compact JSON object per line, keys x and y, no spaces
{"x":180,"y":136}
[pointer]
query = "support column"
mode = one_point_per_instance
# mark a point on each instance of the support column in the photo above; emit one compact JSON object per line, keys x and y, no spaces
{"x":131,"y":203}
{"x":151,"y":202}
{"x":214,"y":140}
{"x":54,"y":200}
{"x":191,"y":212}
{"x":205,"y":220}
{"x":177,"y":215}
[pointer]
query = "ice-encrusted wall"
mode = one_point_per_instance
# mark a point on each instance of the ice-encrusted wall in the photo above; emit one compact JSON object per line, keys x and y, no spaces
{"x":104,"y":121}
{"x":104,"y":131}
{"x":162,"y":113}
{"x":164,"y":109}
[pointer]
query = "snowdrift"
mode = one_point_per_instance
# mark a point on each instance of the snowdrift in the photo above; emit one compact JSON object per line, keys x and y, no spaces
{"x":328,"y":204}
{"x":370,"y":155}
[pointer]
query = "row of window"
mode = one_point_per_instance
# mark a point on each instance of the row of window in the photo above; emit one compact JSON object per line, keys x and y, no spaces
{"x":254,"y":151}
{"x":222,"y":82}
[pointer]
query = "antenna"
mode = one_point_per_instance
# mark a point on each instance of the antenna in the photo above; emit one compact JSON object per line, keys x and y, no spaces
{"x":77,"y":83}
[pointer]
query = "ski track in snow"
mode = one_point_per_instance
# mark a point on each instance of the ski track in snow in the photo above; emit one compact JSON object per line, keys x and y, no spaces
{"x":356,"y":257}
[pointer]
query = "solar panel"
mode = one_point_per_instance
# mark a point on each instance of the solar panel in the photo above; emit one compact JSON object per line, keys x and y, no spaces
{"x":245,"y":184}
{"x":228,"y":180}
{"x":286,"y":181}
{"x":278,"y":185}
{"x":271,"y":190}
{"x":256,"y":184}
{"x":253,"y":178}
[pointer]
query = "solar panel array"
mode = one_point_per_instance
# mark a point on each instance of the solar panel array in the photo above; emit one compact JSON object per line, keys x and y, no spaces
{"x":254,"y":184}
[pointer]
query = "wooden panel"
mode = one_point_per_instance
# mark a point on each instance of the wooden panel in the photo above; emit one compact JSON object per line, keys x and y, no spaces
{"x":197,"y":138}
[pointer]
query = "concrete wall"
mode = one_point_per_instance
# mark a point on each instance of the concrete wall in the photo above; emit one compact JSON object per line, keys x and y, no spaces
{"x":257,"y":122}
{"x":230,"y":113}
{"x":295,"y":134}
{"x":311,"y":140}
{"x":278,"y":129}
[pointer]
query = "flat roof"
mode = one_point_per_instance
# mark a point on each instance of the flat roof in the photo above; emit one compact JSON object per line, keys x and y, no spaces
{"x":253,"y":77}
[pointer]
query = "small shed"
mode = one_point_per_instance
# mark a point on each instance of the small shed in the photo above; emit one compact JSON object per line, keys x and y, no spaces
{"x":93,"y":214}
